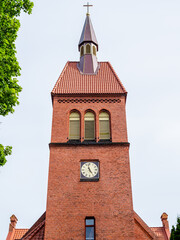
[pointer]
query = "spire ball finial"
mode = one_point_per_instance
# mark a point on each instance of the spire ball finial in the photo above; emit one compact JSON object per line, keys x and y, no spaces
{"x":87,"y":5}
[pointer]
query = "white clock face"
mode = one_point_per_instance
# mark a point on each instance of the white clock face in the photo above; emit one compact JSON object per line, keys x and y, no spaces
{"x":89,"y":169}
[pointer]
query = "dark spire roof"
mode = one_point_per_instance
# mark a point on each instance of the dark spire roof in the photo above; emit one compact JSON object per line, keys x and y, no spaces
{"x":88,"y":34}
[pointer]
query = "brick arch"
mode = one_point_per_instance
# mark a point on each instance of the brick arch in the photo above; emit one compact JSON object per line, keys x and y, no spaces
{"x":69,"y":113}
{"x":105,"y":110}
{"x":74,"y":110}
{"x":89,"y":110}
{"x":109,"y":113}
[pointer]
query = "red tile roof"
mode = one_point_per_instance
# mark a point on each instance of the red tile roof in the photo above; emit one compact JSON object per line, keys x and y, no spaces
{"x":71,"y":81}
{"x":160,"y":233}
{"x":18,"y":233}
{"x":36,"y":232}
{"x":155,"y":232}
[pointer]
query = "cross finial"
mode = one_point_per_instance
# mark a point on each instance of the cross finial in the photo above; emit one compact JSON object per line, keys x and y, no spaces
{"x":87,"y":7}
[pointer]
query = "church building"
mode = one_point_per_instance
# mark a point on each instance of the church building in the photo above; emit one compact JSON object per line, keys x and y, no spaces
{"x":89,"y":186}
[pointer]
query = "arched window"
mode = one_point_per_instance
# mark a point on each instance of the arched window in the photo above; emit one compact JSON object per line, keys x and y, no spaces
{"x":104,"y":126}
{"x":94,"y":50}
{"x":89,"y":124}
{"x":88,"y":48}
{"x":82,"y":51}
{"x":74,"y":126}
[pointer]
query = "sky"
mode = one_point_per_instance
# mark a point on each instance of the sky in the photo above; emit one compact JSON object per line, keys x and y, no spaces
{"x":141,"y":39}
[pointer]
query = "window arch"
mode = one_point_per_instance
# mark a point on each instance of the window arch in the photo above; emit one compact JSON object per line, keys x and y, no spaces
{"x":74,"y":126}
{"x":82,"y":51}
{"x":104,"y":126}
{"x":94,"y":50}
{"x":88,"y":48}
{"x":89,"y":125}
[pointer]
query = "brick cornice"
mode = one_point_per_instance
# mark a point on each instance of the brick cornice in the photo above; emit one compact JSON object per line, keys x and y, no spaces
{"x":88,"y":143}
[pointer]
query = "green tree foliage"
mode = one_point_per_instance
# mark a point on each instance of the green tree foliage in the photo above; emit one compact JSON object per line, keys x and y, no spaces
{"x":175,"y":231}
{"x":9,"y":66}
{"x":4,"y":151}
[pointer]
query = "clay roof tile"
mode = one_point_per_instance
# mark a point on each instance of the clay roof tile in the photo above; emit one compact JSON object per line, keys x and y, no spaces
{"x":72,"y":81}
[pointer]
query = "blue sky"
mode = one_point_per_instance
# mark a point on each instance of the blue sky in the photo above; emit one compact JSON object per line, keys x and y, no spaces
{"x":141,"y":40}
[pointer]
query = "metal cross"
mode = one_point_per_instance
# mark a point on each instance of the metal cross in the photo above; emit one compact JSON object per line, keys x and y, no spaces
{"x":87,"y":7}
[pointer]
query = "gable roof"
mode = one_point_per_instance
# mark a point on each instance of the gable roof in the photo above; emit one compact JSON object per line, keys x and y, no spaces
{"x":36,"y":232}
{"x":160,"y":233}
{"x":19,"y":233}
{"x":144,"y":225}
{"x":16,"y":234}
{"x":72,"y":81}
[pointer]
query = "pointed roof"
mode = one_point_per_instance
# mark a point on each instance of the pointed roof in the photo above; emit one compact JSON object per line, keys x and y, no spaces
{"x":105,"y":81}
{"x":88,"y":34}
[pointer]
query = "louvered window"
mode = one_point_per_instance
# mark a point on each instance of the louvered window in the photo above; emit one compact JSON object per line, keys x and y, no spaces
{"x":94,"y":50}
{"x":89,"y":126}
{"x":82,"y":51}
{"x":88,"y":48}
{"x":74,"y":126}
{"x":104,"y":128}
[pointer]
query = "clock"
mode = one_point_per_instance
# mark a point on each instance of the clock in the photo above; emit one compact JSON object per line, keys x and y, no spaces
{"x":89,"y":171}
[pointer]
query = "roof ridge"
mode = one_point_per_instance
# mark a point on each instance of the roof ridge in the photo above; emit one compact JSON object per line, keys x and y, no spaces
{"x":85,"y":29}
{"x":119,"y":81}
{"x":139,"y":220}
{"x":34,"y":231}
{"x":157,"y":227}
{"x":90,"y":29}
{"x":35,"y":225}
{"x":22,"y":229}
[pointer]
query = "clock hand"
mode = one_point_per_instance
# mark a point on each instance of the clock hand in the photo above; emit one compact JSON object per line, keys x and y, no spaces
{"x":89,"y":169}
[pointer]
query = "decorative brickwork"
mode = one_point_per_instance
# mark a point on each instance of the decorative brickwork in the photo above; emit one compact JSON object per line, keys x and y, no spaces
{"x":89,"y":100}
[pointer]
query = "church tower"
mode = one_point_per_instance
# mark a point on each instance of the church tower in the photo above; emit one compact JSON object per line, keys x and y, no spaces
{"x":89,"y":189}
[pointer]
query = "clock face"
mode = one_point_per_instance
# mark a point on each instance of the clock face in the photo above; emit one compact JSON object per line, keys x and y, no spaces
{"x":89,"y":170}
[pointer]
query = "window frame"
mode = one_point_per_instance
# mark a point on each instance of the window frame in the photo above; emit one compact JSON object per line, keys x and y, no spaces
{"x":107,"y":112}
{"x":90,"y":226}
{"x":94,"y":50}
{"x":88,"y":46}
{"x":93,"y":139}
{"x":75,"y":139}
{"x":82,"y":51}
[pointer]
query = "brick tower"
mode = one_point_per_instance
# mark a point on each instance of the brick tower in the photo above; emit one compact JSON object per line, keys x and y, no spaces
{"x":89,"y":188}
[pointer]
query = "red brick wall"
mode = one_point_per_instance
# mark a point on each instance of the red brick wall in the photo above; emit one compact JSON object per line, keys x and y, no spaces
{"x":109,"y":200}
{"x":61,"y":111}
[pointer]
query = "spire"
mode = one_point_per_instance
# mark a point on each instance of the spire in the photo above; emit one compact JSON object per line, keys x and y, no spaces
{"x":88,"y":34}
{"x":88,"y":46}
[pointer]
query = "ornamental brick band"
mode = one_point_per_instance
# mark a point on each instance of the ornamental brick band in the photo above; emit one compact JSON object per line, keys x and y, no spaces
{"x":89,"y":100}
